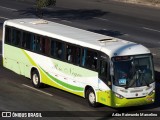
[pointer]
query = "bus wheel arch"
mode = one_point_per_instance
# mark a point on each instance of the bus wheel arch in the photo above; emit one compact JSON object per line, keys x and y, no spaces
{"x":90,"y":96}
{"x":36,"y":78}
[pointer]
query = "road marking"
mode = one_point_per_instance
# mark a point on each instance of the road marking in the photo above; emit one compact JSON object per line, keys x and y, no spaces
{"x":54,"y":18}
{"x":126,"y":34}
{"x":4,"y":18}
{"x":37,"y":90}
{"x":9,"y":8}
{"x":66,"y":21}
{"x":101,"y":19}
{"x":151,"y":29}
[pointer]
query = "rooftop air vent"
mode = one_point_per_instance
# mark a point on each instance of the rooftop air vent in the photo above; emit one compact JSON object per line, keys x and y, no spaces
{"x":108,"y":40}
{"x":39,"y":22}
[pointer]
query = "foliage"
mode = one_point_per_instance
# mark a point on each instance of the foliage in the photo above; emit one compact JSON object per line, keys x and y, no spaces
{"x":43,"y":3}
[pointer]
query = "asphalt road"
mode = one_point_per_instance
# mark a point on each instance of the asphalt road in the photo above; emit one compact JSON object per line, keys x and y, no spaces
{"x":138,"y":24}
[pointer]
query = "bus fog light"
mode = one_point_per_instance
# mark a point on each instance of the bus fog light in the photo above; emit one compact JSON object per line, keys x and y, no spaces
{"x":119,"y":96}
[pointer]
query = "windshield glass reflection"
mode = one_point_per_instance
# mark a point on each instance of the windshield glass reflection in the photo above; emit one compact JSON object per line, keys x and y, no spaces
{"x":133,"y":71}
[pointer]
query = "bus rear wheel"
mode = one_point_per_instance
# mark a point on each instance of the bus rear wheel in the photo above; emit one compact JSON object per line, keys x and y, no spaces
{"x":36,"y":79}
{"x":91,"y":98}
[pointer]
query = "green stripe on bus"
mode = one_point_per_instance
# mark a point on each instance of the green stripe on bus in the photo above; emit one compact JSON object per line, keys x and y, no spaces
{"x":30,"y":59}
{"x":75,"y":88}
{"x":63,"y":83}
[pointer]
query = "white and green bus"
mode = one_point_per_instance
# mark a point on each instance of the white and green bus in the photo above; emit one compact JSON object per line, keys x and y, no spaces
{"x":100,"y":68}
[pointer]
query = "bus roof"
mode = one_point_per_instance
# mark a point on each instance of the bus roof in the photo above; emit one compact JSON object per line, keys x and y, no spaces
{"x":110,"y":45}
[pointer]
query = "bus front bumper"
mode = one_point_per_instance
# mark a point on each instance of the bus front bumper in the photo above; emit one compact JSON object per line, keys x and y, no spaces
{"x":125,"y":102}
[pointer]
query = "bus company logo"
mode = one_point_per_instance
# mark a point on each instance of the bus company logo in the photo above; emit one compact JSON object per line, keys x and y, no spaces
{"x":6,"y":114}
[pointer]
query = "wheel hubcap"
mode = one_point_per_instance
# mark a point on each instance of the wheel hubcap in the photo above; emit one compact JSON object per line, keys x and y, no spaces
{"x":35,"y":79}
{"x":92,"y":97}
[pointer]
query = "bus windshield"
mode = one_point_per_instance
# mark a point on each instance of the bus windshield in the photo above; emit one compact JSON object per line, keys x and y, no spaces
{"x":133,"y":71}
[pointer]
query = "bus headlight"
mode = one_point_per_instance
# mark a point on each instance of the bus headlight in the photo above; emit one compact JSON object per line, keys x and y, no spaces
{"x":119,"y":96}
{"x":153,"y":91}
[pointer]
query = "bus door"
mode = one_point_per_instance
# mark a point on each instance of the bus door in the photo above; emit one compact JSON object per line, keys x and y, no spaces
{"x":104,"y":70}
{"x":104,"y":83}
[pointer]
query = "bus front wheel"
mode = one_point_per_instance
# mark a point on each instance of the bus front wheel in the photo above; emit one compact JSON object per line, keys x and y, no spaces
{"x":36,"y":79}
{"x":91,"y":98}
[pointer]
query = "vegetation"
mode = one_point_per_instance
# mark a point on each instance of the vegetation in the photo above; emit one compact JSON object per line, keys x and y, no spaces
{"x":40,"y":4}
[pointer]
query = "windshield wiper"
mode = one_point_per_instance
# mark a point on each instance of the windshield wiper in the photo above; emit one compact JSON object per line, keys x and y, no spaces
{"x":142,"y":78}
{"x":138,"y":77}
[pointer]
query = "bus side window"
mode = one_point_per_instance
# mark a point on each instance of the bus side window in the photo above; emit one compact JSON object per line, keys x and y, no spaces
{"x":59,"y":50}
{"x":8,"y":33}
{"x":46,"y":46}
{"x":73,"y":54}
{"x":69,"y":56}
{"x":35,"y":43}
{"x":53,"y":45}
{"x":84,"y":51}
{"x":16,"y":37}
{"x":26,"y":40}
{"x":39,"y":44}
{"x":89,"y":59}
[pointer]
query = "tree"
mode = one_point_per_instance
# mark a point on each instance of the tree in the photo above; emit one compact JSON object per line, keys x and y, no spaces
{"x":40,"y":4}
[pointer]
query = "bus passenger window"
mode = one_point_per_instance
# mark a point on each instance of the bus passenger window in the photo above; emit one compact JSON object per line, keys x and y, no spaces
{"x":16,"y":37}
{"x":73,"y":54}
{"x":53,"y":45}
{"x":77,"y":55}
{"x":26,"y":40}
{"x":89,"y":59}
{"x":59,"y":50}
{"x":36,"y":46}
{"x":46,"y":46}
{"x":69,"y":57}
{"x":8,"y":35}
{"x":40,"y":43}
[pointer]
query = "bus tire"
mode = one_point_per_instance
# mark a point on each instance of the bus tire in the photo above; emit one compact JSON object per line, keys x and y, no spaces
{"x":36,"y":79}
{"x":91,"y":98}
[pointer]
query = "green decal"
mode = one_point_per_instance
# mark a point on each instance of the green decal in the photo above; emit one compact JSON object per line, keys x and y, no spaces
{"x":75,"y":88}
{"x":64,"y":84}
{"x":67,"y":70}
